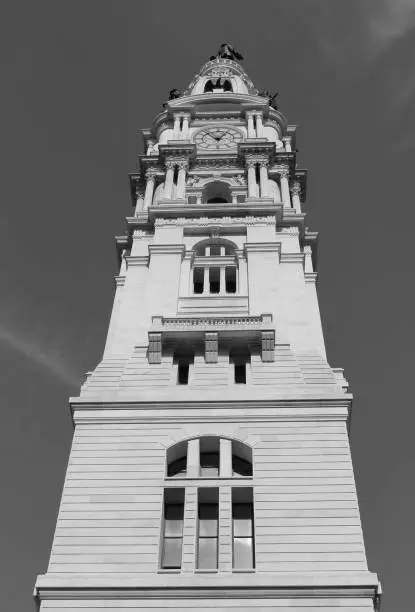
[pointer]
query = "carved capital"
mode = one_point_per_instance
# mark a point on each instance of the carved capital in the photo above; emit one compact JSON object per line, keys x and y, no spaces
{"x":250,"y":162}
{"x":170,"y":164}
{"x":183,"y":164}
{"x":283,"y":171}
{"x":151,"y":174}
{"x":263,"y":163}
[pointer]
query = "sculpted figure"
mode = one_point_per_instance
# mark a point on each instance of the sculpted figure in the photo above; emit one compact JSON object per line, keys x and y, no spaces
{"x":227,"y":52}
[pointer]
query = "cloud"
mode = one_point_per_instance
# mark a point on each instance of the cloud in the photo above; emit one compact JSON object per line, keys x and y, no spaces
{"x":46,"y":359}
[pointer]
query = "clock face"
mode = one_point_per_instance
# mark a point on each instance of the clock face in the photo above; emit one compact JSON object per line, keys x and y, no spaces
{"x":217,"y":138}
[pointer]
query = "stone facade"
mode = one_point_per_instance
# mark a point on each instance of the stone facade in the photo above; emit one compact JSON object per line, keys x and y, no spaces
{"x":215,"y":349}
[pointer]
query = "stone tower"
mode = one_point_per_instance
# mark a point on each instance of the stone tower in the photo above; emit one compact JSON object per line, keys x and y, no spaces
{"x":210,"y":466}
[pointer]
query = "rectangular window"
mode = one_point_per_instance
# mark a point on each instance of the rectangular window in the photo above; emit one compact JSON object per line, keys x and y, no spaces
{"x":198,"y":275}
{"x":214,"y":280}
{"x":171,"y":557}
{"x":230,"y":279}
{"x":243,"y":529}
{"x":207,"y":529}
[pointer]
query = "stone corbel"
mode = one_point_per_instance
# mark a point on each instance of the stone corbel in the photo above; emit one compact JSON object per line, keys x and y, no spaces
{"x":154,"y":347}
{"x":268,"y":346}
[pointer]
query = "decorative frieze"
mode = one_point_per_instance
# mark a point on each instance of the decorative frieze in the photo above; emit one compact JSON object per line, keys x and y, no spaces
{"x":216,"y":221}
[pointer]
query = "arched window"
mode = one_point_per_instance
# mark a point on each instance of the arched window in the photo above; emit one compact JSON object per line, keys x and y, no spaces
{"x":218,"y":85}
{"x":218,"y":461}
{"x":214,"y":268}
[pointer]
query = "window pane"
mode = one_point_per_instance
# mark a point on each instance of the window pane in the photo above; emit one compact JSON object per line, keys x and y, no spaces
{"x":173,"y":520}
{"x":209,"y":464}
{"x":241,"y":467}
{"x":208,"y":520}
{"x":242,"y":520}
{"x":214,"y":280}
{"x":242,"y":553}
{"x":230,"y":276}
{"x":198,"y":280}
{"x":207,"y":553}
{"x":172,"y":552}
{"x":177,"y":467}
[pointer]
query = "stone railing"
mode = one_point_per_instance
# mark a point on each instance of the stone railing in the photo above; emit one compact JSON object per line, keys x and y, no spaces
{"x":218,"y":323}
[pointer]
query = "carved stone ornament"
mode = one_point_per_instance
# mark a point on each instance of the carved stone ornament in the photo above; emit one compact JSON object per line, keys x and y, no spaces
{"x":183,"y":164}
{"x":151,"y":173}
{"x":139,"y":234}
{"x":283,"y":171}
{"x":292,"y":231}
{"x":296,"y":188}
{"x":193,"y":181}
{"x":250,"y":162}
{"x":219,"y":72}
{"x":170,"y":164}
{"x":221,"y":221}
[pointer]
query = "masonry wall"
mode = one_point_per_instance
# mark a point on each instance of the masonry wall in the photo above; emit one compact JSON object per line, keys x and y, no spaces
{"x":306,"y":512}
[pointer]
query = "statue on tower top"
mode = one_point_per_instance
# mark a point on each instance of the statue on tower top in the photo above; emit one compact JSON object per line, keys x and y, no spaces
{"x":227,"y":52}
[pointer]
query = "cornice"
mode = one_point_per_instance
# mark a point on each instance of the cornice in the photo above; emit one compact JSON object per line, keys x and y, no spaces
{"x":119,"y":281}
{"x":264,"y":207}
{"x":167,"y":249}
{"x":136,"y":260}
{"x":297,"y":258}
{"x":263,"y":247}
{"x":310,"y":277}
{"x":203,"y":593}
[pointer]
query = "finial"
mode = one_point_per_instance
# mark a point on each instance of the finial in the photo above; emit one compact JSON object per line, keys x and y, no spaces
{"x":271,"y":98}
{"x":227,"y":52}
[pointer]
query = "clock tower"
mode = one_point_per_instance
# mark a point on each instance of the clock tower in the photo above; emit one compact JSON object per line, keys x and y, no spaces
{"x":210,"y":465}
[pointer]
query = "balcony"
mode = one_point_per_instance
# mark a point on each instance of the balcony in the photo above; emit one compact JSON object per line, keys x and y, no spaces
{"x":210,"y":329}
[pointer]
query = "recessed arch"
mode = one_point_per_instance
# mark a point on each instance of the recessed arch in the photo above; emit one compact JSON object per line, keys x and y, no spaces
{"x":216,"y":192}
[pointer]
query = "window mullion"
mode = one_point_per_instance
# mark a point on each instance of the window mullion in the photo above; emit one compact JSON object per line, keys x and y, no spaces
{"x":193,"y":458}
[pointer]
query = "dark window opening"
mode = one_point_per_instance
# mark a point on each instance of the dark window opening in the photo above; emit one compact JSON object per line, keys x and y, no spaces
{"x":240,"y":373}
{"x":209,"y":464}
{"x":217,"y":200}
{"x":198,"y":276}
{"x":230,"y":280}
{"x":183,"y":373}
{"x":177,"y":467}
{"x":214,"y":280}
{"x":209,"y":457}
{"x":241,"y":467}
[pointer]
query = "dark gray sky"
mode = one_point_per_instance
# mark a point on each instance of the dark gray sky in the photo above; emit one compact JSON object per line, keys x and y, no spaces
{"x":79,"y":78}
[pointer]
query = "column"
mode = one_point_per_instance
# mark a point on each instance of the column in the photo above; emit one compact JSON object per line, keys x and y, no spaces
{"x":263,"y":178}
{"x":206,"y":286}
{"x":193,"y":458}
{"x":181,"y":179}
{"x":151,"y":179}
{"x":222,"y":286}
{"x":287,"y":143}
{"x":250,"y":163}
{"x":176,"y":128}
{"x":285,"y":189}
{"x":139,"y":201}
{"x":251,"y":131}
{"x":185,"y":128}
{"x":295,"y":193}
{"x":168,"y":183}
{"x":308,"y":260}
{"x":259,"y":126}
{"x":225,"y":455}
